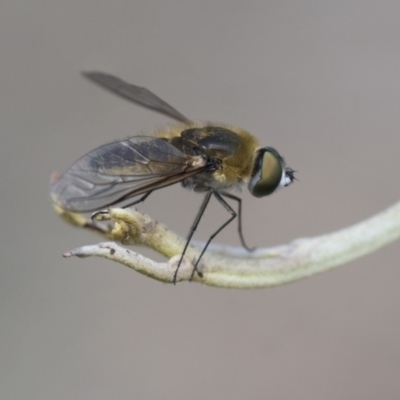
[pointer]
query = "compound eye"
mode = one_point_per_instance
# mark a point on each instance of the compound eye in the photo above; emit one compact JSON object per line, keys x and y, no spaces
{"x":267,"y":174}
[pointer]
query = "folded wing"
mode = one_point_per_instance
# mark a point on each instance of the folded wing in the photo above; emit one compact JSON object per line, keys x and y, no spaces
{"x":121,"y":170}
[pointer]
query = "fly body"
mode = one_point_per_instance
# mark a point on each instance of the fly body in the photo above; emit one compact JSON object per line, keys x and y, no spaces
{"x":204,"y":157}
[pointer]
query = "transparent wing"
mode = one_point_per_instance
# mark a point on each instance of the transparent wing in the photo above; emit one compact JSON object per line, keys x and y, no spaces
{"x":120,"y":170}
{"x":138,"y":95}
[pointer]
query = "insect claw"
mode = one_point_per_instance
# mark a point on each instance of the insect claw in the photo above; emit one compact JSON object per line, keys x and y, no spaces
{"x":195,"y":269}
{"x":102,"y":215}
{"x":183,"y":267}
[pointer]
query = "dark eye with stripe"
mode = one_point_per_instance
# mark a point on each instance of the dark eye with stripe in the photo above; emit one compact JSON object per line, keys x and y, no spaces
{"x":267,"y":172}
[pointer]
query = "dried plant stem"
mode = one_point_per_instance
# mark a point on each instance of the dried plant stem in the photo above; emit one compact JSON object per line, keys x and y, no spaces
{"x":229,"y":267}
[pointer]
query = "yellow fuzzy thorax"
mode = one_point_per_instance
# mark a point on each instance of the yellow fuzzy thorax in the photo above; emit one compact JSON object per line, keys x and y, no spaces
{"x":236,"y":169}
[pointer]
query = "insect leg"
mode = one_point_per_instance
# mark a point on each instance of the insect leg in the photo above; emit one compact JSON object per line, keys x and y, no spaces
{"x":239,"y":200}
{"x":233,"y":216}
{"x":143,"y":198}
{"x":191,"y":232}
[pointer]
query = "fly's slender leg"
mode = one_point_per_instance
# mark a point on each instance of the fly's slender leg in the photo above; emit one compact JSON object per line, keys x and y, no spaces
{"x":143,"y":198}
{"x":239,"y":200}
{"x":191,"y":232}
{"x":233,"y":216}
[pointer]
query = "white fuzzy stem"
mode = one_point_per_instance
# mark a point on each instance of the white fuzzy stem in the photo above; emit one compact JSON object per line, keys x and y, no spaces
{"x":229,"y":267}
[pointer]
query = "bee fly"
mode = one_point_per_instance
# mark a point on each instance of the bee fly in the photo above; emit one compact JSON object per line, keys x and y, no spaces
{"x":204,"y":157}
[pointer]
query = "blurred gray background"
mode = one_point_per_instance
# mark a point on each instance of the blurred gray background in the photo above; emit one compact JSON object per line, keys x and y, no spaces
{"x":318,"y":80}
